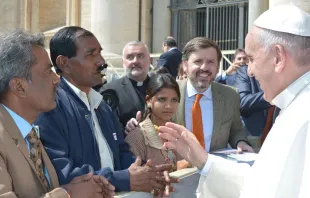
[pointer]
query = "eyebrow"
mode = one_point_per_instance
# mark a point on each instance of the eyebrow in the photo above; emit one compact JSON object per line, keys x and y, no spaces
{"x":91,"y":50}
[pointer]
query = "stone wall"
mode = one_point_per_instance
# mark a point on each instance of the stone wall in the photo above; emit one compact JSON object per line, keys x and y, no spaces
{"x":11,"y":14}
{"x":52,"y":14}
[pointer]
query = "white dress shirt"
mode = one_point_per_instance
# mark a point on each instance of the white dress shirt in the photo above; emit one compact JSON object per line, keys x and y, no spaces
{"x":92,"y":101}
{"x":206,"y":106}
{"x":282,"y":167}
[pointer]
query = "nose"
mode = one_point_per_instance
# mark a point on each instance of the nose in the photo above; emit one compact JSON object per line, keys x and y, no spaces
{"x":168,"y":105}
{"x":100,"y":60}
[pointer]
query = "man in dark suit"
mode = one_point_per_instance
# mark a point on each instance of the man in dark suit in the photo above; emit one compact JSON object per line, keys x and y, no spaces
{"x":82,"y":134}
{"x":171,"y":58}
{"x":131,"y":89}
{"x":256,"y":112}
{"x":228,"y":77}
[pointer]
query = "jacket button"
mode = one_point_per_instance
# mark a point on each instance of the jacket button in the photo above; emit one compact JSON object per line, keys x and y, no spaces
{"x":86,"y":116}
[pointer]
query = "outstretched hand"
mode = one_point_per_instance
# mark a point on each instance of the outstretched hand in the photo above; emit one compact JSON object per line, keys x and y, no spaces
{"x":184,"y":143}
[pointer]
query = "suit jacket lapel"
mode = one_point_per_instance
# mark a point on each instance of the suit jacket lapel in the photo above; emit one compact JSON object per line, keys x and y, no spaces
{"x":131,"y":93}
{"x":14,"y":132}
{"x":218,"y":104}
{"x":180,"y":114}
{"x":50,"y":169}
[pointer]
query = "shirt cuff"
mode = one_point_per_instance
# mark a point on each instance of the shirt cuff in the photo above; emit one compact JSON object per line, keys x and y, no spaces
{"x":205,"y":170}
{"x":224,"y":75}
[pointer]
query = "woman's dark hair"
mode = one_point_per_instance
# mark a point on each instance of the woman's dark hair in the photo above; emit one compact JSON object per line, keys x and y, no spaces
{"x":159,"y":79}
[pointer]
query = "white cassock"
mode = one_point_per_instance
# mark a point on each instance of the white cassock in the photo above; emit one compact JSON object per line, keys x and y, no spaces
{"x":282,"y":167}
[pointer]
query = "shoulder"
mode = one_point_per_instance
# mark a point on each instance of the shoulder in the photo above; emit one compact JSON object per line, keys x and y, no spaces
{"x":115,"y":84}
{"x":225,"y":90}
{"x":242,"y":70}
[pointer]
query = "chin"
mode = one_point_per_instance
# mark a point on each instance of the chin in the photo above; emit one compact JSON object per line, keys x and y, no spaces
{"x":51,"y":107}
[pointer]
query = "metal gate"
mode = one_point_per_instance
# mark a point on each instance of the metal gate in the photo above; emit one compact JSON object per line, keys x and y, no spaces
{"x":224,"y":21}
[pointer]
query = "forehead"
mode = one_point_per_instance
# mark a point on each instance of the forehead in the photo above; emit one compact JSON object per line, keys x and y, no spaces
{"x":241,"y":54}
{"x":40,"y":55}
{"x":136,"y":49}
{"x":167,"y":92}
{"x":208,"y":53}
{"x":251,"y":41}
{"x":88,"y":42}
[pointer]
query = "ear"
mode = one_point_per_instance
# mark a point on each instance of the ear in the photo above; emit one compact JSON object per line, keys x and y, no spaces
{"x":279,"y":60}
{"x":147,"y":97}
{"x":185,"y":65}
{"x":62,"y":63}
{"x":19,"y":87}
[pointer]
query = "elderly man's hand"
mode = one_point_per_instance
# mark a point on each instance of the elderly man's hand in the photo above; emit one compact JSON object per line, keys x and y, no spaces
{"x":243,"y":146}
{"x":183,"y":142}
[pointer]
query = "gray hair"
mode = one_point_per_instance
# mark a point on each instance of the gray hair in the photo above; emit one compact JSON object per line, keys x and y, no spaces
{"x":16,"y":57}
{"x":298,"y":46}
{"x":134,"y":43}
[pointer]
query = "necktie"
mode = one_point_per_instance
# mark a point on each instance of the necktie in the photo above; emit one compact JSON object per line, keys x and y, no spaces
{"x":268,"y":124}
{"x":197,"y":121}
{"x":36,"y":155}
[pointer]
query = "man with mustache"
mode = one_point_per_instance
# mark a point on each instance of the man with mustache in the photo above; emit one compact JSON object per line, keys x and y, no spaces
{"x":131,"y":89}
{"x":27,"y":88}
{"x":209,"y":109}
{"x":82,"y":134}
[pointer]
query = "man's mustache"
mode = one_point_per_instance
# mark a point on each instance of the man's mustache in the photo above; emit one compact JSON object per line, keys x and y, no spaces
{"x":102,"y":67}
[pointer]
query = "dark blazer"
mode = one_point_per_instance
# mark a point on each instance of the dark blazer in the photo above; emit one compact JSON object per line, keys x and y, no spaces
{"x":253,"y":107}
{"x":171,"y":60}
{"x":130,"y":102}
{"x":68,"y":137}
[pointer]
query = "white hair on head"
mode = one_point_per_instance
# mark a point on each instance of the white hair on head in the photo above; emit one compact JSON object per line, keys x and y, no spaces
{"x":298,"y":46}
{"x":135,"y":43}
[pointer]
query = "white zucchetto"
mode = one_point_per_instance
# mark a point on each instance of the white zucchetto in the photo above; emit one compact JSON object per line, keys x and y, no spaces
{"x":285,"y":18}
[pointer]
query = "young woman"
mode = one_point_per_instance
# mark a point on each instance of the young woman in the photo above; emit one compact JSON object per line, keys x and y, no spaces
{"x":163,"y":96}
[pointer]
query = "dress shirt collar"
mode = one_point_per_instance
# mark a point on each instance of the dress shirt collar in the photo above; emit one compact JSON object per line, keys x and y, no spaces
{"x":172,"y":48}
{"x":93,"y":98}
{"x":191,"y":91}
{"x":23,"y":126}
{"x":139,"y":84}
{"x":286,"y":97}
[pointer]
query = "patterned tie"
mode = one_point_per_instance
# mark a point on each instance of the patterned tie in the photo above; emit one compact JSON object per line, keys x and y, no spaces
{"x":197,"y":121}
{"x":36,"y":155}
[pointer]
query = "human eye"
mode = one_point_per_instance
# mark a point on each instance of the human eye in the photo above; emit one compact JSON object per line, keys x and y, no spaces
{"x":175,"y":100}
{"x":140,"y":56}
{"x":161,"y":99}
{"x":198,"y":62}
{"x":129,"y":57}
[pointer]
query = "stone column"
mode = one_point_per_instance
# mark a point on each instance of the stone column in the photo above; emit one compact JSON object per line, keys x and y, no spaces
{"x":73,"y":13}
{"x":146,"y":22}
{"x":256,"y":8}
{"x":161,"y":23}
{"x":114,"y":23}
{"x":303,"y":4}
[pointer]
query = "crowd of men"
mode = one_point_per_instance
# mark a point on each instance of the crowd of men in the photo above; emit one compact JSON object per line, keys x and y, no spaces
{"x":59,"y":138}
